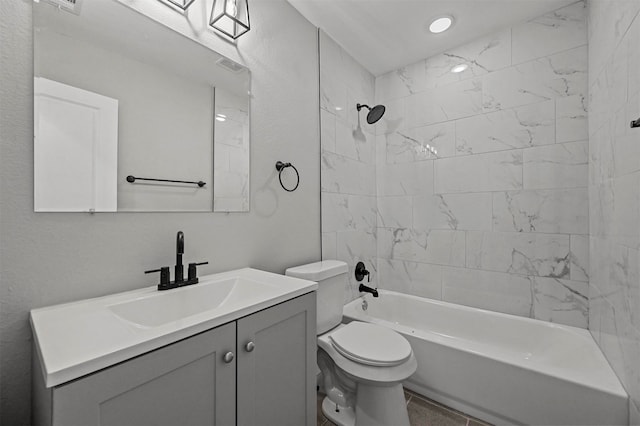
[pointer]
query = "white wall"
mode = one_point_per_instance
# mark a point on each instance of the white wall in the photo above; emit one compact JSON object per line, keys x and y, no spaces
{"x":500,"y":219}
{"x":54,"y":258}
{"x":614,"y":188}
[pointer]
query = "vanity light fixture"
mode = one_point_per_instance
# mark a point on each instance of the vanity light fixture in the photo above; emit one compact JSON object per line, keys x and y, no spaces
{"x":441,"y":24}
{"x":459,"y":68}
{"x":230,"y":17}
{"x":181,"y":4}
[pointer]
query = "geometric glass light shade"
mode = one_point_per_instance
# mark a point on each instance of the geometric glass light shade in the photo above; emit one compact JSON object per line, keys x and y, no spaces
{"x":182,"y":4}
{"x":231,"y":17}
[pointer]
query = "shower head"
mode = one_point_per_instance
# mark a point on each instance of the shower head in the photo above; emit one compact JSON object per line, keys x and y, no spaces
{"x":374,"y":114}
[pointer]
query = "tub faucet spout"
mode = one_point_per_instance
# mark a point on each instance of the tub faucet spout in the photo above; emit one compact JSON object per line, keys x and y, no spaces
{"x":364,"y":288}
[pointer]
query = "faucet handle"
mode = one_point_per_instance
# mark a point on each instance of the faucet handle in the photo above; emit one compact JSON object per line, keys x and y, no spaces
{"x":164,"y":275}
{"x":361,"y":271}
{"x":191,"y":274}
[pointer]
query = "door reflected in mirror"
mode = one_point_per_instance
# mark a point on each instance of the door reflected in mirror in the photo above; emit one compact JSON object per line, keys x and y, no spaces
{"x":119,"y":94}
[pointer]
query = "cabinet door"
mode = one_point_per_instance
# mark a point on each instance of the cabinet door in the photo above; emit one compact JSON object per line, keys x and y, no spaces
{"x":186,"y":383}
{"x":276,"y":379}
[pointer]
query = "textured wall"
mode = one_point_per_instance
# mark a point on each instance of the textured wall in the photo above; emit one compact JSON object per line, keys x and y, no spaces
{"x":614,"y":188}
{"x":348,"y":162}
{"x":500,"y":219}
{"x":53,"y":258}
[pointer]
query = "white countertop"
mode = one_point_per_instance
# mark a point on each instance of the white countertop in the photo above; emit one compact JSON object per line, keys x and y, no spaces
{"x":79,"y":338}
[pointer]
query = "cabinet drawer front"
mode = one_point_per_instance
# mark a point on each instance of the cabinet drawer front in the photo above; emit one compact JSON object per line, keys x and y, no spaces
{"x":186,"y":383}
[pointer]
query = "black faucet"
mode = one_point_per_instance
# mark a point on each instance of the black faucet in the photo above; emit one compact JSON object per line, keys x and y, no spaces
{"x":365,"y":289}
{"x":192,"y":278}
{"x":179,"y":268}
{"x":360,"y":273}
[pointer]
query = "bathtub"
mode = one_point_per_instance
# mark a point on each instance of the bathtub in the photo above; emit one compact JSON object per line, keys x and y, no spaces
{"x":500,"y":368}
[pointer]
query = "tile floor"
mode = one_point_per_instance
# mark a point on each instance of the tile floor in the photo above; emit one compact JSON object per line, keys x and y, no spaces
{"x":422,"y":412}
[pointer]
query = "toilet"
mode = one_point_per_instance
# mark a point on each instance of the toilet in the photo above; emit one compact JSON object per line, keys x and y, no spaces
{"x":362,"y":365}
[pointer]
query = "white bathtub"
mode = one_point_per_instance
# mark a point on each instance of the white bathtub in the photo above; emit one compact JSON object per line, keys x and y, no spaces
{"x":501,"y":368}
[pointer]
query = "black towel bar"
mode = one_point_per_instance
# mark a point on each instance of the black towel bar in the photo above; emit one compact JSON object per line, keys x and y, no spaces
{"x":132,"y":179}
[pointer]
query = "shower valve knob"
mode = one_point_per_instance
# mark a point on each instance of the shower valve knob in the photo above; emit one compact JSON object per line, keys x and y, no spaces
{"x":361,"y":271}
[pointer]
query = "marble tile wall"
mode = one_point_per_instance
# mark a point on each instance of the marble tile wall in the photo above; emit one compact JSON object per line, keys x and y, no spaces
{"x":348,"y":177}
{"x":614,"y":188}
{"x":499,"y":219}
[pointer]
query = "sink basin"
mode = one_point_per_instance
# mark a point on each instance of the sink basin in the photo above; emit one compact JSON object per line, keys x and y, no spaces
{"x":172,"y":305}
{"x":79,"y":338}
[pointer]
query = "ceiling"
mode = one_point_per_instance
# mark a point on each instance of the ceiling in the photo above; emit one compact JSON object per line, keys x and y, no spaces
{"x":384,"y":35}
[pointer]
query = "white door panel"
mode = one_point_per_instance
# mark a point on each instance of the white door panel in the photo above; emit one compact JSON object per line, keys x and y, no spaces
{"x":75,"y":149}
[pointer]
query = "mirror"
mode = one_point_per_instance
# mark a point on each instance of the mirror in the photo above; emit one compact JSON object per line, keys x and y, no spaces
{"x":128,"y":112}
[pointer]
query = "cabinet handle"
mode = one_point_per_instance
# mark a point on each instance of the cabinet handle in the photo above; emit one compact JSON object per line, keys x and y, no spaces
{"x":228,"y":357}
{"x":249,"y":347}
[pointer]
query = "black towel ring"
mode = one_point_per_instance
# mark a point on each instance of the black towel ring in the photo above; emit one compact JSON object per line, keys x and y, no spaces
{"x":280,"y":166}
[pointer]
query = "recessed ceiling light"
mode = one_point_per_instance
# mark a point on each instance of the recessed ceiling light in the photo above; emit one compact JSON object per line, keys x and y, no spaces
{"x":459,"y":68}
{"x":441,"y":24}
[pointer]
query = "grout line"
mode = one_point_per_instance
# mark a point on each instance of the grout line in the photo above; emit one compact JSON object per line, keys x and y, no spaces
{"x":511,"y":46}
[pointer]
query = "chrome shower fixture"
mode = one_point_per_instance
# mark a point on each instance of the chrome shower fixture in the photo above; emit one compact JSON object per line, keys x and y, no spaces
{"x":374,"y":114}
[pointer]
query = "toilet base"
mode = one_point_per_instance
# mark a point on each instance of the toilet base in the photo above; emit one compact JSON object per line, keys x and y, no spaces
{"x":341,"y":416}
{"x":381,"y":405}
{"x":376,"y":405}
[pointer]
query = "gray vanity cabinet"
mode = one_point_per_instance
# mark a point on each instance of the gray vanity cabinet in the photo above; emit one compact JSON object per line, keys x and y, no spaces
{"x":186,"y":383}
{"x":277,"y":365}
{"x":197,"y":382}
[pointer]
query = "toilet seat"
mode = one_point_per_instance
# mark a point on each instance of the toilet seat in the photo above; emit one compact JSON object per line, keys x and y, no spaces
{"x":363,"y":372}
{"x":371,"y":344}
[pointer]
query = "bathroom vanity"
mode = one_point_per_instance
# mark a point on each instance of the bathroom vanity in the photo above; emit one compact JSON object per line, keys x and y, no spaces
{"x":237,"y":348}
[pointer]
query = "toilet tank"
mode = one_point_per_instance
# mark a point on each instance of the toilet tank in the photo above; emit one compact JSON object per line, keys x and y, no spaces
{"x":331,"y":276}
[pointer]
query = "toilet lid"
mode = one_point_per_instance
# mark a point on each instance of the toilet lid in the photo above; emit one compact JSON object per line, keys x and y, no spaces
{"x":371,"y":344}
